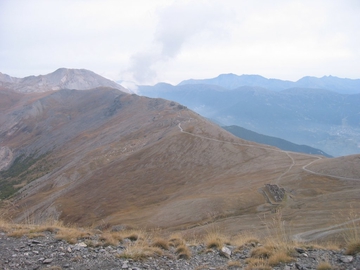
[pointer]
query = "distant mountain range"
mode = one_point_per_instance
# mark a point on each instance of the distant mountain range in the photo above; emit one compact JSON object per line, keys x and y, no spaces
{"x":232,"y":81}
{"x":320,"y":118}
{"x":62,"y":78}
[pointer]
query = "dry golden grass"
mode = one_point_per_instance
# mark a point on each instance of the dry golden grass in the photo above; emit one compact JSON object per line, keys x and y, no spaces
{"x":233,"y":264}
{"x":261,"y":252}
{"x":279,"y":257}
{"x":133,"y":234}
{"x":244,"y":238}
{"x":160,"y":243}
{"x":351,"y":233}
{"x":72,"y":235}
{"x":215,"y":239}
{"x":110,"y":238}
{"x":255,"y":263}
{"x":139,"y":250}
{"x":324,"y":266}
{"x":183,"y":252}
{"x":176,"y":240}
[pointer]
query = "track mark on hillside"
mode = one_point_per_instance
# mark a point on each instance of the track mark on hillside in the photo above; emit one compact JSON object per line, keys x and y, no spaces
{"x":276,"y":150}
{"x":248,"y":145}
{"x":290,"y":167}
{"x":319,"y":233}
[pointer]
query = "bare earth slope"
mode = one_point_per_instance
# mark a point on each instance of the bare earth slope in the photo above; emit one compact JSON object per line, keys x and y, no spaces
{"x":106,"y":157}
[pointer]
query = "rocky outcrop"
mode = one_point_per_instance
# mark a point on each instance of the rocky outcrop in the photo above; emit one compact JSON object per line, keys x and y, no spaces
{"x":276,"y":192}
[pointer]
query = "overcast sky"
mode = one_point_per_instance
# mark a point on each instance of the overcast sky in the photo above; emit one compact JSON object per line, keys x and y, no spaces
{"x":170,"y":41}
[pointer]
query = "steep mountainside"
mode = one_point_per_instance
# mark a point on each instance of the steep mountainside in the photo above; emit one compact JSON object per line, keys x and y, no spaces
{"x":249,"y":135}
{"x":80,"y":79}
{"x":319,"y":118}
{"x":232,"y":81}
{"x":103,"y":157}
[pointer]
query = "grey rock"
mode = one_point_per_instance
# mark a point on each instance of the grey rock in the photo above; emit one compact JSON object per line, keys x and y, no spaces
{"x":346,"y":259}
{"x":226,"y":252}
{"x":47,"y":261}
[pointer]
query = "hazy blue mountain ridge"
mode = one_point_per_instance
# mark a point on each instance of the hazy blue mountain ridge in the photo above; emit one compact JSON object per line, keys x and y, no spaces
{"x":277,"y":142}
{"x":319,"y":118}
{"x":232,"y":81}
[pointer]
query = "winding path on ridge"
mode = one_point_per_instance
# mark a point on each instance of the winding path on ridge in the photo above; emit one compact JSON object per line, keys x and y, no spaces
{"x":311,"y":234}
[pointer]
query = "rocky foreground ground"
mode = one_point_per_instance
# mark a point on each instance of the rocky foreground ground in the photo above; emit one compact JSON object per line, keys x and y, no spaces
{"x":47,"y":252}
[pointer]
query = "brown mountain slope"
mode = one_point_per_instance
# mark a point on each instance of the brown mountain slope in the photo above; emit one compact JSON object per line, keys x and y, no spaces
{"x":103,"y":156}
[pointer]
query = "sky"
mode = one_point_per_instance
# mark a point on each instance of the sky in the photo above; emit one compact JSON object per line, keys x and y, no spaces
{"x":154,"y":41}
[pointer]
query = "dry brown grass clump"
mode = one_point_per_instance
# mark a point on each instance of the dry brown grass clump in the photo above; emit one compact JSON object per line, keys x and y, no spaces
{"x":183,"y":252}
{"x":140,"y":250}
{"x":261,"y":252}
{"x":324,"y":266}
{"x":278,"y":257}
{"x":133,"y":235}
{"x":160,"y":243}
{"x":256,"y":263}
{"x":215,"y":239}
{"x":233,"y":264}
{"x":72,"y":235}
{"x":176,"y":240}
{"x":110,"y":238}
{"x":351,"y":233}
{"x":245,"y":238}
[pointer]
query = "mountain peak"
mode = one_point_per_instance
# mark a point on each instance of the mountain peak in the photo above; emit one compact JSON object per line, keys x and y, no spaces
{"x":62,"y":78}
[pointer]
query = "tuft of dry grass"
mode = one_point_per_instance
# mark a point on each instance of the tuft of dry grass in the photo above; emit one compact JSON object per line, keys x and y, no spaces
{"x":110,"y":238}
{"x":353,"y":248}
{"x":352,"y":233}
{"x":261,"y":252}
{"x":215,"y":239}
{"x":279,"y":257}
{"x":72,"y":234}
{"x":140,"y":250}
{"x":256,"y":263}
{"x":133,"y":235}
{"x":183,"y":252}
{"x":245,"y":238}
{"x":233,"y":264}
{"x":176,"y":240}
{"x":324,"y":266}
{"x":160,"y":243}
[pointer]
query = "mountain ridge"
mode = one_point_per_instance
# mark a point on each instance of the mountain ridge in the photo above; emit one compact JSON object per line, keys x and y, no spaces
{"x":62,"y":78}
{"x":233,"y":81}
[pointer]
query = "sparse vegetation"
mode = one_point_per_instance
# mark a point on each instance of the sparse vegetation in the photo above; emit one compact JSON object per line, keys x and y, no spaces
{"x":352,"y":233}
{"x":160,"y":243}
{"x":183,"y":252}
{"x":265,"y":254}
{"x":22,"y":171}
{"x":215,"y":239}
{"x":324,"y":266}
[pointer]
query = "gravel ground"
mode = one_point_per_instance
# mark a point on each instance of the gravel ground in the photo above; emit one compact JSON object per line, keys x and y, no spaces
{"x":49,"y":253}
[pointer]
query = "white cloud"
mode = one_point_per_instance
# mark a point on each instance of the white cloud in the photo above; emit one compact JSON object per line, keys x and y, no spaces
{"x":150,"y":41}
